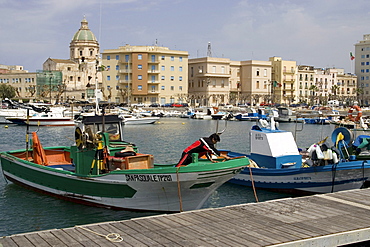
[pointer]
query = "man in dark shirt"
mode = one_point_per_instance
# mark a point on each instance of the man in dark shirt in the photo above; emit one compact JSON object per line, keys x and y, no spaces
{"x":204,"y":146}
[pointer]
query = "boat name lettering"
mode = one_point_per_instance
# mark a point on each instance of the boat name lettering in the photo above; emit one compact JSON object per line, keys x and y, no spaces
{"x":149,"y":178}
{"x":258,"y":137}
{"x":302,"y":178}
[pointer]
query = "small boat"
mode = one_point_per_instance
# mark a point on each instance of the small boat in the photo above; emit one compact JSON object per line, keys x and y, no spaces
{"x":43,"y":119}
{"x":137,"y":119}
{"x":277,"y":164}
{"x":103,"y":170}
{"x":287,"y":115}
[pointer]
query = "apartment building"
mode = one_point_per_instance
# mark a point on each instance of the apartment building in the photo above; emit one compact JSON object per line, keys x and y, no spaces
{"x":214,"y":81}
{"x":23,"y":82}
{"x":145,"y":75}
{"x":283,"y":76}
{"x":305,"y":82}
{"x":362,"y":67}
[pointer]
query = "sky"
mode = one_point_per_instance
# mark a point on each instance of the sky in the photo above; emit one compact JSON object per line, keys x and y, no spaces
{"x":319,"y":33}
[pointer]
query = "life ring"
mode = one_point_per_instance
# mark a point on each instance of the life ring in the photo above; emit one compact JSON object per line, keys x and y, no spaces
{"x":359,"y":113}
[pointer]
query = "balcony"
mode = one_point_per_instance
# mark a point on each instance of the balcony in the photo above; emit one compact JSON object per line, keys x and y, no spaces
{"x":153,"y":92}
{"x":125,"y":71}
{"x":156,"y":61}
{"x":153,"y":82}
{"x":214,"y":75}
{"x":153,"y":71}
{"x":125,"y":81}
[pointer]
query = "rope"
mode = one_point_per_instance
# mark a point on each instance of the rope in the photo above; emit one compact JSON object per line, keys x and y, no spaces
{"x":179,"y":188}
{"x":252,"y":181}
{"x":113,"y":237}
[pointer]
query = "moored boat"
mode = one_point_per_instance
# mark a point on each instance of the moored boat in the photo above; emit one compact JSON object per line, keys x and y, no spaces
{"x":102,"y":169}
{"x":278,"y":165}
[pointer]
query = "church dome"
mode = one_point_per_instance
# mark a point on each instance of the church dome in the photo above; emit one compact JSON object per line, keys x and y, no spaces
{"x":84,"y":33}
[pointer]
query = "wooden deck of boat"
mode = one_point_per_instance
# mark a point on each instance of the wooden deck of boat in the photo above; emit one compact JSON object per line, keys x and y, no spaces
{"x":321,"y":220}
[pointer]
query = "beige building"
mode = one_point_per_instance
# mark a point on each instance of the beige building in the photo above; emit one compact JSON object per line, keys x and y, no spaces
{"x":214,"y":81}
{"x":283,"y":76}
{"x":23,"y":82}
{"x":145,"y":75}
{"x":255,"y":82}
{"x":79,"y":73}
{"x":362,"y":68}
{"x":305,"y":80}
{"x":211,"y":79}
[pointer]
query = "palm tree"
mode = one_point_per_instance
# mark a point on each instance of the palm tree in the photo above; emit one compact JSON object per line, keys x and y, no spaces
{"x":313,"y":89}
{"x":334,"y":90}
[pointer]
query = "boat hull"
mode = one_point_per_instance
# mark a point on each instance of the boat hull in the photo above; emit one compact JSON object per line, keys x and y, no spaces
{"x":144,"y":120}
{"x":320,"y":179}
{"x":43,"y":121}
{"x":166,"y":189}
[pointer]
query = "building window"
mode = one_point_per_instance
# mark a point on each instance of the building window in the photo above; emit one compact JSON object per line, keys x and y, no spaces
{"x":162,"y":77}
{"x":108,"y":68}
{"x":153,"y":78}
{"x":140,"y":56}
{"x":223,"y":69}
{"x":117,"y":57}
{"x":172,"y":58}
{"x":139,"y":87}
{"x":172,"y":68}
{"x":162,"y":87}
{"x":108,"y":57}
{"x":163,"y":68}
{"x":139,"y":77}
{"x":127,"y":58}
{"x":257,"y":84}
{"x":258,"y":72}
{"x":180,"y":88}
{"x":153,"y":89}
{"x":222,"y":83}
{"x":180,"y":68}
{"x":180,"y":59}
{"x":162,"y":58}
{"x":265,"y":72}
{"x":213,"y":69}
{"x":117,"y":67}
{"x":172,"y":88}
{"x":172,"y":77}
{"x":108,"y":78}
{"x":139,"y":66}
{"x":153,"y":58}
{"x":117,"y":77}
{"x":180,"y":78}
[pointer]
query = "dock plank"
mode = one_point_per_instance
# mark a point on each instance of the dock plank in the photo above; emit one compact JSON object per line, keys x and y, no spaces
{"x":340,"y":217}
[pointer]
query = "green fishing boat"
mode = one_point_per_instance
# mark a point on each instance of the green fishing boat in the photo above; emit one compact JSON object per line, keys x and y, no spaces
{"x":103,"y":170}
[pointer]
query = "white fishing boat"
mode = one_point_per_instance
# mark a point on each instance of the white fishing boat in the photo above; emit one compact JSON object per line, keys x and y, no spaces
{"x":43,"y":119}
{"x":137,"y":119}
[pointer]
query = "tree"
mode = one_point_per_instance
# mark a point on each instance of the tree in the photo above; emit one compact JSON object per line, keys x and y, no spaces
{"x":7,"y":91}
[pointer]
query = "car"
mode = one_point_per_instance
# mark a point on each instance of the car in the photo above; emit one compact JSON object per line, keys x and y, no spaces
{"x":154,"y":105}
{"x":176,"y":105}
{"x":167,"y":105}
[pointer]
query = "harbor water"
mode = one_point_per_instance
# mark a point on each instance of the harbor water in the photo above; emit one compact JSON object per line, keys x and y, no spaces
{"x":23,"y":210}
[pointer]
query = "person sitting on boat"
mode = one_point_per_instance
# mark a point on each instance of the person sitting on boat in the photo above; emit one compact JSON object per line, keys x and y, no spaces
{"x":203,"y":146}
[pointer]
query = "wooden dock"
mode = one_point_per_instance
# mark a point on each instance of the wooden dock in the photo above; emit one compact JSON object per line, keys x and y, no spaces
{"x":321,"y":220}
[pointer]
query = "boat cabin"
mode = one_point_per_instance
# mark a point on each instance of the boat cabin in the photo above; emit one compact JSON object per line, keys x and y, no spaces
{"x":274,"y":148}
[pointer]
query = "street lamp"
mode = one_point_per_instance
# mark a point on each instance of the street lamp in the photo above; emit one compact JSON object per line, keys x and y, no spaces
{"x":50,"y":89}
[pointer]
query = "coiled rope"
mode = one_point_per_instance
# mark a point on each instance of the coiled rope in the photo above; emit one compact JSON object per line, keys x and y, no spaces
{"x":113,"y":237}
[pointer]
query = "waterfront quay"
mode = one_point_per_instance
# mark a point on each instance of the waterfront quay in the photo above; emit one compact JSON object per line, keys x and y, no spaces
{"x":333,"y":219}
